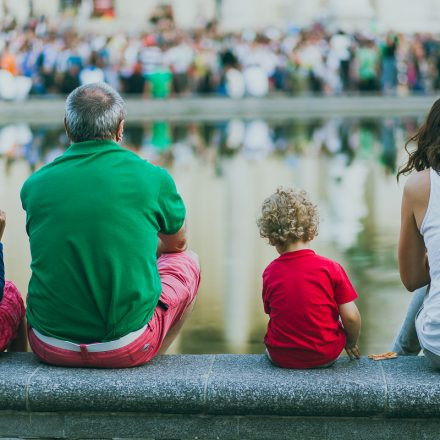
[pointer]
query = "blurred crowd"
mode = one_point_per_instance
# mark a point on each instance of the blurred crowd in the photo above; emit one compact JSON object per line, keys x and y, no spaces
{"x":43,"y":57}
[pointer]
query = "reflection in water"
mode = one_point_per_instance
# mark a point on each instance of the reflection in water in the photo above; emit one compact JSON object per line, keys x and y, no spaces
{"x":224,"y":169}
{"x":255,"y":139}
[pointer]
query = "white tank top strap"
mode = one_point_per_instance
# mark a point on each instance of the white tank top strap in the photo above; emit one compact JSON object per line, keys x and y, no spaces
{"x":428,"y":320}
{"x":434,"y":201}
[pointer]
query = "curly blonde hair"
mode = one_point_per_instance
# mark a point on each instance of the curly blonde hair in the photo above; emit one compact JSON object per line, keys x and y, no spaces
{"x":288,"y":216}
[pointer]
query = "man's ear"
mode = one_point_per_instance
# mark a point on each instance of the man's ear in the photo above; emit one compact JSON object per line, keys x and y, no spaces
{"x":65,"y":128}
{"x":120,"y":131}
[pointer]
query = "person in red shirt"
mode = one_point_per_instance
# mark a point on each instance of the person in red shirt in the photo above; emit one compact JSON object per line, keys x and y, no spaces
{"x":309,"y":298}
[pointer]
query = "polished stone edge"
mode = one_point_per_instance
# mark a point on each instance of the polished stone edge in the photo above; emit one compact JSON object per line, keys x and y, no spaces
{"x":212,"y":108}
{"x":18,"y":425}
{"x":222,"y":385}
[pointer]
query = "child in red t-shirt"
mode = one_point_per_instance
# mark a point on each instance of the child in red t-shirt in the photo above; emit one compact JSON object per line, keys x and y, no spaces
{"x":305,"y":295}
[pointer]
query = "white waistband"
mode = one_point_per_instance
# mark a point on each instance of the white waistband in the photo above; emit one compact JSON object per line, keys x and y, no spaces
{"x":93,"y":348}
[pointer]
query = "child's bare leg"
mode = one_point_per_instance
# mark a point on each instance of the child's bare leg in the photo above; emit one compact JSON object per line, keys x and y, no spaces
{"x":20,"y":343}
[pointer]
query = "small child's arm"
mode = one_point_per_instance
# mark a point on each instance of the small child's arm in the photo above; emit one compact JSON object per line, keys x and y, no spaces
{"x":265,"y":296}
{"x":351,"y":320}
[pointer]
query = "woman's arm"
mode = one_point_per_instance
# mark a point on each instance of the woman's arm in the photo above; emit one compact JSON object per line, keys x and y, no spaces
{"x":413,"y":267}
{"x":2,"y":273}
{"x":2,"y":267}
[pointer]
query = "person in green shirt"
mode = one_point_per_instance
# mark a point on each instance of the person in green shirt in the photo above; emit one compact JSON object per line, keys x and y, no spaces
{"x":367,"y":58}
{"x":112,"y":282}
{"x":160,"y":81}
{"x":161,"y":136}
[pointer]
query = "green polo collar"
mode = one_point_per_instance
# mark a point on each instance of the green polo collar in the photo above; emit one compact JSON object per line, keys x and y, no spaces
{"x":93,"y":146}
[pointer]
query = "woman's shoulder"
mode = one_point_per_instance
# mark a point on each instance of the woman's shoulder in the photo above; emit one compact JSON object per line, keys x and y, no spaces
{"x":418,"y":178}
{"x":416,"y":195}
{"x":418,"y":184}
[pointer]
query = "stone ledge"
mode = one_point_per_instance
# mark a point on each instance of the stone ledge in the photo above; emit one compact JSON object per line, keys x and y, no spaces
{"x":51,"y":110}
{"x":217,"y":396}
{"x":209,"y":427}
{"x":224,"y":384}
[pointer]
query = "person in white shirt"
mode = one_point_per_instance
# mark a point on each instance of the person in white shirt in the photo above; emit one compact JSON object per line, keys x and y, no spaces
{"x":92,"y":73}
{"x":419,"y":244}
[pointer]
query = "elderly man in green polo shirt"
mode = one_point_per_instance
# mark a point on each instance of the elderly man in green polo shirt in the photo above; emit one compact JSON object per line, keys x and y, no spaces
{"x":112,"y":282}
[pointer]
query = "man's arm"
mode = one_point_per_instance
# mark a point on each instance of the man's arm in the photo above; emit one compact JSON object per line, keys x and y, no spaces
{"x":170,"y":216}
{"x":351,"y":320}
{"x":172,"y":243}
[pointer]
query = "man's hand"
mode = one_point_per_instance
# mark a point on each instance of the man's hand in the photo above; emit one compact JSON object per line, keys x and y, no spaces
{"x":2,"y":223}
{"x":353,"y":351}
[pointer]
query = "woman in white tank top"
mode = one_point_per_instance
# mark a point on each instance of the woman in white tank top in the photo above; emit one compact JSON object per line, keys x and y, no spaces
{"x":419,"y":243}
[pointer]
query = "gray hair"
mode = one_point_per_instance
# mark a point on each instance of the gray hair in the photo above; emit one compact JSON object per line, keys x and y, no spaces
{"x":93,"y":112}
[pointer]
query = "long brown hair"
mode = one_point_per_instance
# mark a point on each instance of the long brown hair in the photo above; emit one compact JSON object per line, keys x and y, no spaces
{"x":427,"y":153}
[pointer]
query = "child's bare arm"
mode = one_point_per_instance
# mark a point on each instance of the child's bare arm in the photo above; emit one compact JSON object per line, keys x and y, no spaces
{"x":351,"y":320}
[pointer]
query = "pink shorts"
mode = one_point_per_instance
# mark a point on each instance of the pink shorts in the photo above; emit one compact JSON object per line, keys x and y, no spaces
{"x":11,"y":314}
{"x":180,"y":277}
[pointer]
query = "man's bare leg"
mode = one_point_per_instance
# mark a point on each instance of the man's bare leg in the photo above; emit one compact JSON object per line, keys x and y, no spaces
{"x":20,"y":343}
{"x":175,"y":329}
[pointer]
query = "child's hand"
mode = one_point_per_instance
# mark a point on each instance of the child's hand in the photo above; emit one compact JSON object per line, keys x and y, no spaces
{"x":353,"y":351}
{"x":2,"y":223}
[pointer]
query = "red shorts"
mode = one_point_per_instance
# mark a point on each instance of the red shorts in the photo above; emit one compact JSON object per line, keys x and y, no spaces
{"x":11,"y":314}
{"x":180,"y":277}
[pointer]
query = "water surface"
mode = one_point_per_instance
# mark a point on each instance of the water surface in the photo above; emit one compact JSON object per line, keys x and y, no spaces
{"x":224,"y":170}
